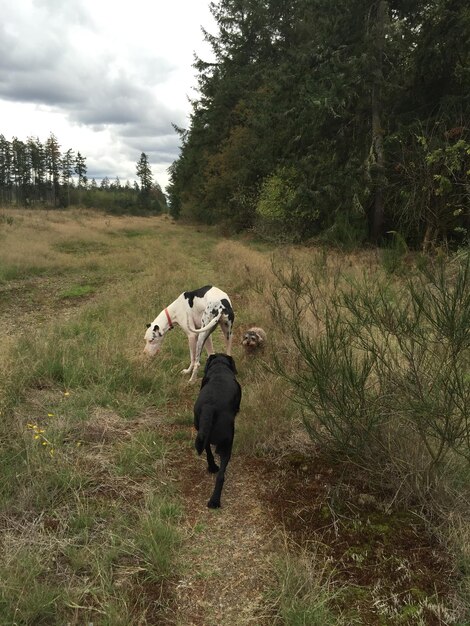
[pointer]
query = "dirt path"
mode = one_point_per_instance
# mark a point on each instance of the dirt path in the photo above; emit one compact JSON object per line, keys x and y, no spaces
{"x":227,"y":551}
{"x":226,"y":554}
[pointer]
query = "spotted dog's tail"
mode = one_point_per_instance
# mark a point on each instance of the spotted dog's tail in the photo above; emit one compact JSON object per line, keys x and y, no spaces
{"x":210,"y":325}
{"x":205,"y":426}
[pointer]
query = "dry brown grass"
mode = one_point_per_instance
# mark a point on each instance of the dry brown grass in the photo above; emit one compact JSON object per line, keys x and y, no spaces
{"x":38,"y":241}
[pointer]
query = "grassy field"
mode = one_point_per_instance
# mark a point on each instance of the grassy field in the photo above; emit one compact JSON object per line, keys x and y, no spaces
{"x":103,"y":499}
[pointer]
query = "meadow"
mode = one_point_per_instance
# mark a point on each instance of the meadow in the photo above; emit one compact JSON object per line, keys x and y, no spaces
{"x":102,"y":497}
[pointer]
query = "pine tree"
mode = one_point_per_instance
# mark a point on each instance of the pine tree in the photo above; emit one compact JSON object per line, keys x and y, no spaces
{"x":144,"y":173}
{"x":80,"y":169}
{"x":5,"y":169}
{"x":68,"y":162}
{"x":38,"y":168}
{"x":53,"y":162}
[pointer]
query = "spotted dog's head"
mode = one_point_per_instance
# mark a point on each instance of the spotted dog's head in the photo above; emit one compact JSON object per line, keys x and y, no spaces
{"x":153,"y":339}
{"x":254,"y":340}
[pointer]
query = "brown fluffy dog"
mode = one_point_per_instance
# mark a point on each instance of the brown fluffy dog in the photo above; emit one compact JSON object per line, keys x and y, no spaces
{"x":254,"y":340}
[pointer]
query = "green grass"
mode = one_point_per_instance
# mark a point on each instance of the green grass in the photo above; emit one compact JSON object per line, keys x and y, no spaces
{"x":156,"y":538}
{"x":132,"y":233}
{"x":81,"y":247}
{"x":77,"y":291}
{"x":140,"y":456}
{"x":26,"y":594}
{"x":6,"y":219}
{"x":305,"y":593}
{"x":18,"y":272}
{"x":83,"y":384}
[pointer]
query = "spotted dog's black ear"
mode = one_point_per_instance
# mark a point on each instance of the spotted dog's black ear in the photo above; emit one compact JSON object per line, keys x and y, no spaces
{"x":148,"y":325}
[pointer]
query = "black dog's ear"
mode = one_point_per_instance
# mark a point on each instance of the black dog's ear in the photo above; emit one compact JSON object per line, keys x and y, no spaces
{"x":148,"y":325}
{"x":231,"y":363}
{"x":234,"y":367}
{"x":210,"y":358}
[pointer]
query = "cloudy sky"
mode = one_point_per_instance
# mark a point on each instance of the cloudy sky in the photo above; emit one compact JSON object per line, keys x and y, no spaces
{"x":107,"y":77}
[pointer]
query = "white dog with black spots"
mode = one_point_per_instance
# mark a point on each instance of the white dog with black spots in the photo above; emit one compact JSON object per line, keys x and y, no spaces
{"x":198,"y":313}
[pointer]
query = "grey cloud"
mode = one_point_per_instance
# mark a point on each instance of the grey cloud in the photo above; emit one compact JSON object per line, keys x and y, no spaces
{"x":165,"y":143}
{"x":40,"y":88}
{"x":161,"y":124}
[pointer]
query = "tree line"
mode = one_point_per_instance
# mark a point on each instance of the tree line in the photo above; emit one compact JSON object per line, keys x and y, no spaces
{"x":337,"y":121}
{"x":35,"y":173}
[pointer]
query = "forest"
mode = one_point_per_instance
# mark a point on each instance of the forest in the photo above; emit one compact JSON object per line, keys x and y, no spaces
{"x":38,"y":174}
{"x":331,"y":122}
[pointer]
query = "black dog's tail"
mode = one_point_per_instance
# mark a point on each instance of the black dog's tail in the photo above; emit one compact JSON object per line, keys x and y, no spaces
{"x":206,"y":420}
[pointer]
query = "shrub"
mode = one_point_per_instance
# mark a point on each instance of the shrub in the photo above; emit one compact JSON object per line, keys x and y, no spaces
{"x":382,"y":375}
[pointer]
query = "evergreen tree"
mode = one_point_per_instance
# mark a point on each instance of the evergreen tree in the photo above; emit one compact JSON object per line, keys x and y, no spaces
{"x":80,"y":170}
{"x":5,"y":170}
{"x":68,"y":162}
{"x":144,"y":173}
{"x":53,"y":164}
{"x":104,"y":183}
{"x":38,"y":168}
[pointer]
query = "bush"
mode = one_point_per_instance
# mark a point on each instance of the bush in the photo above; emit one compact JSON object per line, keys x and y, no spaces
{"x":382,"y":375}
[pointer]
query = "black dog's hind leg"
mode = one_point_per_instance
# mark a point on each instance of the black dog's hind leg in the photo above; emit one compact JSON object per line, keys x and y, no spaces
{"x":212,"y":466}
{"x":214,"y":502}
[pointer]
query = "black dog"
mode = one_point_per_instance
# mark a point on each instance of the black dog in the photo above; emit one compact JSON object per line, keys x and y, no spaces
{"x":214,"y":416}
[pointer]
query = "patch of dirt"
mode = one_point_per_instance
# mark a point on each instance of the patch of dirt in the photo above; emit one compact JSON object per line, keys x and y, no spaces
{"x":390,"y":555}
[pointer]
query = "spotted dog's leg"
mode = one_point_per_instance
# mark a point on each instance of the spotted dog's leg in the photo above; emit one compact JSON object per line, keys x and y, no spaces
{"x":201,"y":340}
{"x":209,"y":346}
{"x":210,"y":312}
{"x":226,"y":327}
{"x":192,"y":340}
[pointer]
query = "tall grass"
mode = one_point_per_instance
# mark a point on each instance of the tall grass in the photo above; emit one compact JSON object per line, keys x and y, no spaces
{"x":304,"y":592}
